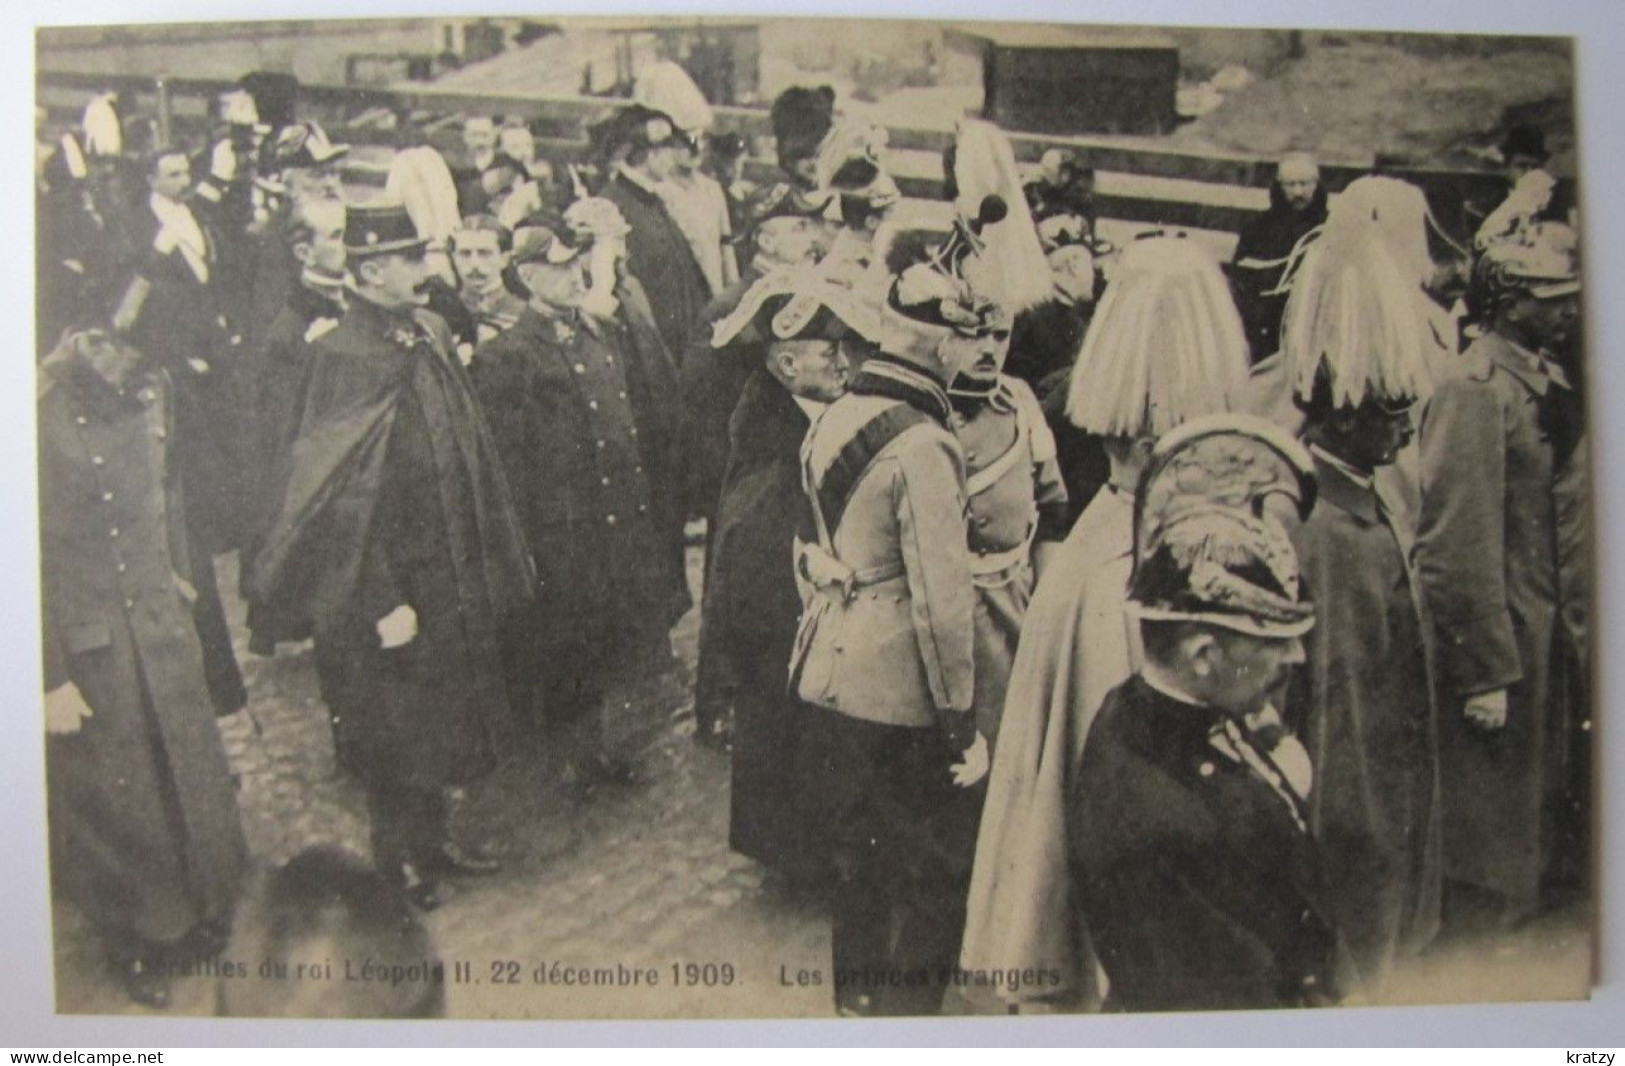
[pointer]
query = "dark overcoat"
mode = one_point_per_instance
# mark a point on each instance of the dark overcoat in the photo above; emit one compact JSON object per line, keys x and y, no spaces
{"x":659,"y":256}
{"x":558,"y":397}
{"x":395,"y":495}
{"x":1201,"y":889}
{"x":182,"y":319}
{"x":752,"y":608}
{"x":1488,"y":558}
{"x":1363,"y":705}
{"x":144,"y":827}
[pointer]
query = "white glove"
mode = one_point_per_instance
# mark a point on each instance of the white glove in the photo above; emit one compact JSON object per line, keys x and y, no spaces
{"x":65,"y":710}
{"x":974,"y":765}
{"x":398,"y":627}
{"x":1487,"y":710}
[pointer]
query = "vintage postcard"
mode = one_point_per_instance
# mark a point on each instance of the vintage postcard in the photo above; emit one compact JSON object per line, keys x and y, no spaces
{"x":580,"y":518}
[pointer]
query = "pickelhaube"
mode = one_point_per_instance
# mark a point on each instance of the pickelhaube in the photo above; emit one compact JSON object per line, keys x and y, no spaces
{"x":1210,"y":545}
{"x":1542,"y":259}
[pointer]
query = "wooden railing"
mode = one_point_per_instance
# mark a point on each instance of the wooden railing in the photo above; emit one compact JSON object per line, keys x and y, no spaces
{"x":1161,"y":186}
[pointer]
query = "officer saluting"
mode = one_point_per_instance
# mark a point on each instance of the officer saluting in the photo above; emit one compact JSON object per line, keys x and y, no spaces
{"x":884,"y":653}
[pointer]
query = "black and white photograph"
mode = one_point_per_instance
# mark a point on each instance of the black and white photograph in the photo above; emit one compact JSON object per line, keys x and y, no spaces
{"x":565,"y":517}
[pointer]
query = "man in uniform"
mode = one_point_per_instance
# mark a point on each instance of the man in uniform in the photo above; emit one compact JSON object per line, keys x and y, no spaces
{"x":562,"y":390}
{"x":1167,"y":345}
{"x":279,"y":372}
{"x":808,"y":335}
{"x":1364,"y":704}
{"x":1189,"y":842}
{"x":1017,"y":503}
{"x":885,"y":656}
{"x":786,"y":232}
{"x":1495,"y":443}
{"x":398,"y":540}
{"x":480,"y":255}
{"x":143,"y":815}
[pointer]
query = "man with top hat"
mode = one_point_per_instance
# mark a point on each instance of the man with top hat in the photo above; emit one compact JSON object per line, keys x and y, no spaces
{"x":145,"y":837}
{"x":658,"y":253}
{"x":885,"y":655}
{"x":808,"y":336}
{"x":1167,"y":345}
{"x":563,"y":391}
{"x":1354,"y":348}
{"x":1496,"y":441}
{"x":397,"y":539}
{"x":1189,"y":838}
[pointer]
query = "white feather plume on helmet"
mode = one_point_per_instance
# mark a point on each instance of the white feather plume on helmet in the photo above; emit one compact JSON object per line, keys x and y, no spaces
{"x":1011,"y":267}
{"x":1355,"y":317}
{"x":1165,"y":345}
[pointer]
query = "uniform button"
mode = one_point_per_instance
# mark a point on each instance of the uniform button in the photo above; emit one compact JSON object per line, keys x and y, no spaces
{"x":610,"y":519}
{"x":96,"y":460}
{"x":642,"y":507}
{"x":81,"y":420}
{"x":121,"y":568}
{"x":113,"y":532}
{"x":160,"y":434}
{"x":604,"y":480}
{"x":637,"y":469}
{"x":634,"y":431}
{"x":609,"y":360}
{"x":1206,"y":769}
{"x":129,"y":605}
{"x":622,"y":394}
{"x":601,"y":444}
{"x":581,"y":368}
{"x":592,"y":405}
{"x":107,"y":497}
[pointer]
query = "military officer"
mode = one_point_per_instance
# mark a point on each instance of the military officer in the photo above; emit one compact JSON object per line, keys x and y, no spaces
{"x":1167,"y":345}
{"x":1188,"y":823}
{"x":397,"y":539}
{"x":1352,"y":346}
{"x":1018,"y":503}
{"x":806,"y":336}
{"x":145,"y":837}
{"x":562,"y":390}
{"x":1495,"y":442}
{"x":884,"y":657}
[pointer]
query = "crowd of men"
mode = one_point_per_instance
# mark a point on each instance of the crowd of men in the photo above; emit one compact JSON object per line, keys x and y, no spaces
{"x":1087,"y":626}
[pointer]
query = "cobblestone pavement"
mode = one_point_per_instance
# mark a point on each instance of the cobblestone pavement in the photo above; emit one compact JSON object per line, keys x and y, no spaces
{"x":633,"y":878}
